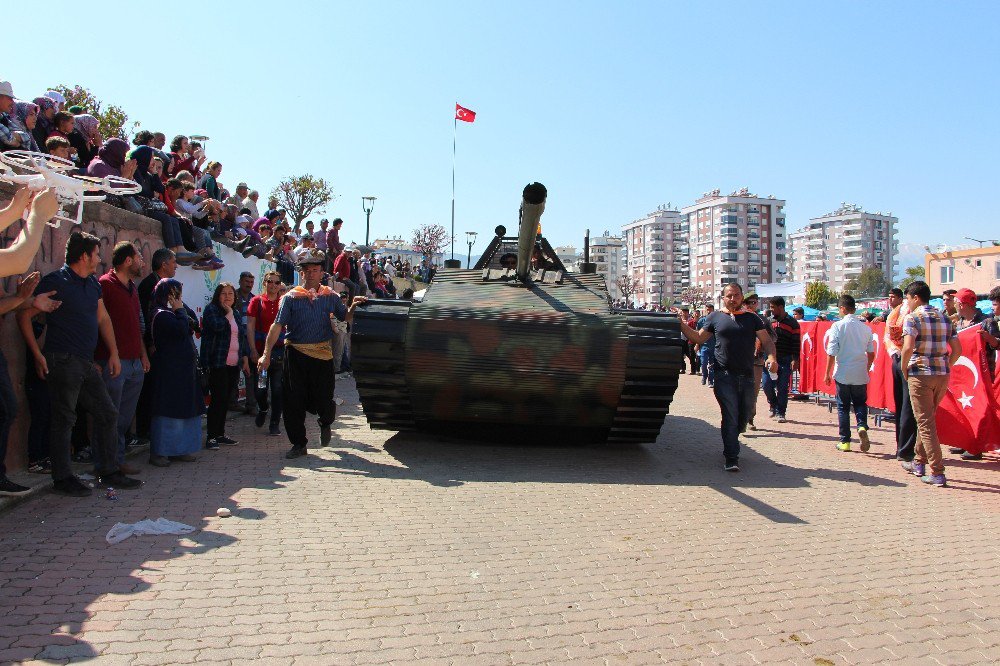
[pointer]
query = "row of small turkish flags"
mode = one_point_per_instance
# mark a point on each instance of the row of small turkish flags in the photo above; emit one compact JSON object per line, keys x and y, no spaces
{"x":969,"y":415}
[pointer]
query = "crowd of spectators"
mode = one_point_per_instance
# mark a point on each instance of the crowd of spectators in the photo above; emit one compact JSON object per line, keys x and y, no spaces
{"x":137,"y":372}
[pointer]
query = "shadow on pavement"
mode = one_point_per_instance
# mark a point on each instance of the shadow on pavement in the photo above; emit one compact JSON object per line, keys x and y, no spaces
{"x":41,"y":614}
{"x":687,"y":454}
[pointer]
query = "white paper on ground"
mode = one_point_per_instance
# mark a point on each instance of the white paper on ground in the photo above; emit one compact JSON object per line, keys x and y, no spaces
{"x":122,"y":531}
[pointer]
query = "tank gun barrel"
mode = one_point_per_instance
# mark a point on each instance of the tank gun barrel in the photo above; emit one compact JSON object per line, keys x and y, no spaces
{"x":532,"y":207}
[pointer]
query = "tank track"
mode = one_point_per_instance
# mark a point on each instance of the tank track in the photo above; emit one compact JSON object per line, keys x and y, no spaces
{"x":653,"y":363}
{"x":378,"y":359}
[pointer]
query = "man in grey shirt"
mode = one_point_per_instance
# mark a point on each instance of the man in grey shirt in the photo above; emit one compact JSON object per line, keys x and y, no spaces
{"x":851,"y":347}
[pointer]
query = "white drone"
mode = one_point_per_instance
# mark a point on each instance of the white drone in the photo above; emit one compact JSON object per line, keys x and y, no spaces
{"x":39,"y":171}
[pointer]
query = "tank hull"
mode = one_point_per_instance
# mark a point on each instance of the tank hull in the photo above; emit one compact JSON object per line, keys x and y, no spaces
{"x":527,"y":363}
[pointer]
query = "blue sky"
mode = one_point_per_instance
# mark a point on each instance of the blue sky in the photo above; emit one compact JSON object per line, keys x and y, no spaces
{"x":616,"y":107}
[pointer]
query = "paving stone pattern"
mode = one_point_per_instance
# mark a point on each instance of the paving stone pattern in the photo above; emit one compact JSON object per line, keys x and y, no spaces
{"x":410,"y":549}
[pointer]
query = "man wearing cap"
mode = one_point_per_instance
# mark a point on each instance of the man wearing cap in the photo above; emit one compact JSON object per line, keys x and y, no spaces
{"x":10,"y":137}
{"x":308,"y":314}
{"x":966,"y":316}
{"x":237,"y":199}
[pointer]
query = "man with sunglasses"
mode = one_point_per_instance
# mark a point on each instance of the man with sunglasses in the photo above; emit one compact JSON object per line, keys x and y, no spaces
{"x":261,"y":313}
{"x":308,"y":314}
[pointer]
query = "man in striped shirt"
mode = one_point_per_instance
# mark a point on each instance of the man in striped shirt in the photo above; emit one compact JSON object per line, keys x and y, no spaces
{"x":930,"y":348}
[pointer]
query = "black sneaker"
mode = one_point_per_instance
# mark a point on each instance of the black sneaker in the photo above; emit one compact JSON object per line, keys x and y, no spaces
{"x":325,"y":434}
{"x":72,"y":487}
{"x":222,"y":439}
{"x":972,"y":456}
{"x":212,"y":444}
{"x":159,"y":461}
{"x":261,"y":417}
{"x":732,"y":466}
{"x":956,"y":450}
{"x":274,"y":430}
{"x":10,"y":489}
{"x":83,"y":455}
{"x":118,"y":480}
{"x":296,"y":452}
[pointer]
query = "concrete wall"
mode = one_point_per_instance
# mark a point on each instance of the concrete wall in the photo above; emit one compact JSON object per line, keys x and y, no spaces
{"x":108,"y":223}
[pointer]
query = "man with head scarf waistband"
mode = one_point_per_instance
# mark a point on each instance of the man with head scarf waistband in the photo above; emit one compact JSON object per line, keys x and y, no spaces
{"x":308,"y":314}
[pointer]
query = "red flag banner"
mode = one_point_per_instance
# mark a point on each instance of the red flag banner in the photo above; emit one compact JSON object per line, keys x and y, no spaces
{"x":969,"y":416}
{"x":807,"y":357}
{"x":464,"y":114}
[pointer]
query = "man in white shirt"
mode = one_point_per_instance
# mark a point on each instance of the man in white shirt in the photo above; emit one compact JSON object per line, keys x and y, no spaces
{"x":250,"y":203}
{"x":851,"y":347}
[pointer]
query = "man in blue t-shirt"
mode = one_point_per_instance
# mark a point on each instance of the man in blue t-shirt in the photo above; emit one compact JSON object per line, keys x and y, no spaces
{"x":307,"y":314}
{"x":736,"y":331}
{"x":67,"y":363}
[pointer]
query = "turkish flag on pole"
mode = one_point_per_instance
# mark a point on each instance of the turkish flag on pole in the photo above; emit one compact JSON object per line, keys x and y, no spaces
{"x":969,"y":416}
{"x":464,"y":114}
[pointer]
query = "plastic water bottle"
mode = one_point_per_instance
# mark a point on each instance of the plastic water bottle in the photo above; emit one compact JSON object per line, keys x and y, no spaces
{"x":774,"y":375}
{"x":262,"y":380}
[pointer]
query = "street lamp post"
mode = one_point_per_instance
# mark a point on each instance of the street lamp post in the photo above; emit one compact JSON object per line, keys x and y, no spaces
{"x":470,"y":237}
{"x":367,"y":203}
{"x":661,"y":292}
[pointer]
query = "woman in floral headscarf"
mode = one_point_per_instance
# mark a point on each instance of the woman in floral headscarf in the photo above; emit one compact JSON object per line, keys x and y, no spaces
{"x":26,"y":118}
{"x":86,"y":138}
{"x":44,"y":125}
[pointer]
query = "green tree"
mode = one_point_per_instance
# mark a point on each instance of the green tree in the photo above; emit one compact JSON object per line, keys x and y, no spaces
{"x":301,"y":196}
{"x":112,"y":118}
{"x":870,"y":284}
{"x":819,"y":295}
{"x":913,"y":273}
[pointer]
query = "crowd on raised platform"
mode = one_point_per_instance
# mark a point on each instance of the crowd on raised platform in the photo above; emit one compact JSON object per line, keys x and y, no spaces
{"x":118,"y":349}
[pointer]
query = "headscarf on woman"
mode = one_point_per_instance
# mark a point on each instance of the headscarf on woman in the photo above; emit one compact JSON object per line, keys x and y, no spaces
{"x":110,"y":159}
{"x":21,"y":112}
{"x":44,"y":126}
{"x":151,"y":185}
{"x":89,"y":127}
{"x":161,"y":294}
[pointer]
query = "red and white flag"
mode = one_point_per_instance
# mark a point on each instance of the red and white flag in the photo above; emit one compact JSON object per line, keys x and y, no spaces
{"x":464,"y":114}
{"x":969,"y":416}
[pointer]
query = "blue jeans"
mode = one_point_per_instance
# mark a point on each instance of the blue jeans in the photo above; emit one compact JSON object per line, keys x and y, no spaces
{"x":124,"y":393}
{"x":8,"y":411}
{"x":851,"y":396}
{"x":777,"y":390}
{"x":707,"y":359}
{"x":736,"y":395}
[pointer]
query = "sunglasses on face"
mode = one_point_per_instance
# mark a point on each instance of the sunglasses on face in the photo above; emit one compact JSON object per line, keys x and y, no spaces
{"x":272,"y":281}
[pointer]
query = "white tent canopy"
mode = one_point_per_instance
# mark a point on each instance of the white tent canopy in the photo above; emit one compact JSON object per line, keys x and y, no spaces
{"x":787,"y":289}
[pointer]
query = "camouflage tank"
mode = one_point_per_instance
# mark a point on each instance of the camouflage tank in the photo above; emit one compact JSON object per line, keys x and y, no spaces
{"x":517,"y":349}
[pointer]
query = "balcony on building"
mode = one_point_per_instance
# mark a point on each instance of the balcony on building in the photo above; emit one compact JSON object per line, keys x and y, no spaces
{"x":853,"y":243}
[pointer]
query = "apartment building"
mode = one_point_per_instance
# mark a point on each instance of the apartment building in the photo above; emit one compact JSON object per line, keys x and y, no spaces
{"x":607,"y":252}
{"x":977,"y":269}
{"x":657,"y":255}
{"x":738,"y":237}
{"x":835,"y":248}
{"x":568,"y":255}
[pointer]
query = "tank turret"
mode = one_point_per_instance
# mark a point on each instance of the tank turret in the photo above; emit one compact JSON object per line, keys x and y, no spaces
{"x":517,"y":348}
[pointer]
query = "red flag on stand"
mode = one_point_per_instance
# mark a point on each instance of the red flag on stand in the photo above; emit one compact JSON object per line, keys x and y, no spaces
{"x":969,"y":416}
{"x":464,"y":114}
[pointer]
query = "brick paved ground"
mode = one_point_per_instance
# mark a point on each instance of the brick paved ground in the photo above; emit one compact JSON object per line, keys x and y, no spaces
{"x":408,"y":549}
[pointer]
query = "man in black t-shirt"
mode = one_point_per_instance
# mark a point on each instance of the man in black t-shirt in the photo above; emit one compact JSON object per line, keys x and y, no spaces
{"x":736,"y":331}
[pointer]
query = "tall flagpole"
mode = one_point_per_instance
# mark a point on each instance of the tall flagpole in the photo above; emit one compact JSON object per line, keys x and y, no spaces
{"x":454,"y":143}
